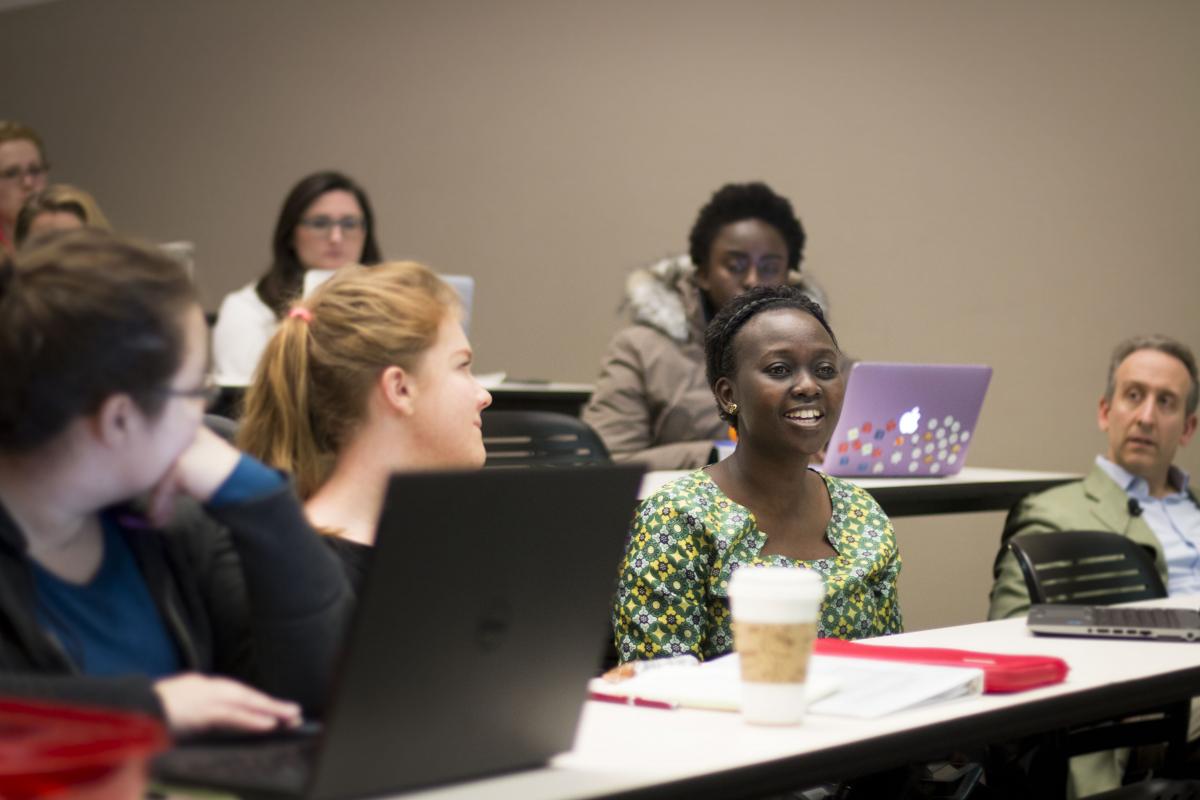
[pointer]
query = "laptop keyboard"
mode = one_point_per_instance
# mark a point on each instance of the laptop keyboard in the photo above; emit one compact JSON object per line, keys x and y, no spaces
{"x":279,"y":767}
{"x":1141,"y":618}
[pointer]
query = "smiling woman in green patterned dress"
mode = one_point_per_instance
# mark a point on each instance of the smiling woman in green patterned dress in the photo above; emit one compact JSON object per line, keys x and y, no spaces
{"x":775,"y":370}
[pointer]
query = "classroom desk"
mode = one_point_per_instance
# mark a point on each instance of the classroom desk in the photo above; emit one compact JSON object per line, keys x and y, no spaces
{"x":562,"y":398}
{"x":972,"y":489}
{"x":628,"y":752}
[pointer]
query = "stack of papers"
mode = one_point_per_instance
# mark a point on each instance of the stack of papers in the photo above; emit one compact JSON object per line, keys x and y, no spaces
{"x":836,"y":686}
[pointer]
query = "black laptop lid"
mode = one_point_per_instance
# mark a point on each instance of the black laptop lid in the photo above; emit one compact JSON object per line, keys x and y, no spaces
{"x":485,"y":612}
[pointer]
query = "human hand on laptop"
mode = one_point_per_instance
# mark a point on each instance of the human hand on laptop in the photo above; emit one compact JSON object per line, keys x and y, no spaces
{"x":193,"y":702}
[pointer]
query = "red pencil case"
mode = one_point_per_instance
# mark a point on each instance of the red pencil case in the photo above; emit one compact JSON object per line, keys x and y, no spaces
{"x":1001,"y":672}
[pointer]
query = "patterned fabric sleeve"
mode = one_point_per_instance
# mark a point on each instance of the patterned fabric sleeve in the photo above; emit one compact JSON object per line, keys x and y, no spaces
{"x":889,"y":606}
{"x":884,"y":570}
{"x":660,"y":608}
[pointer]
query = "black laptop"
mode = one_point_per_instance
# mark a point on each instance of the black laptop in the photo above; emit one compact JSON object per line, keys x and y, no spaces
{"x":484,"y":614}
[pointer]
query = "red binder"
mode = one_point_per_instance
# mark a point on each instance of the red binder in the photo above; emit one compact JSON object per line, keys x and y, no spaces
{"x":1001,"y":672}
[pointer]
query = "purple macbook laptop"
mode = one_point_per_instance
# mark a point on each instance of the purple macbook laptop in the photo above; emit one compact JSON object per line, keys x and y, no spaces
{"x":906,"y":420}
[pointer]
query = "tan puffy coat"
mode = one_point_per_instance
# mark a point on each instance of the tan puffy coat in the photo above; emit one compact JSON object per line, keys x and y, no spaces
{"x":652,"y":403}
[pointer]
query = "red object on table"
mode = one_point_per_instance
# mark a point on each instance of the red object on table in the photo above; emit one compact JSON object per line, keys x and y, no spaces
{"x":59,"y":751}
{"x":1002,"y":672}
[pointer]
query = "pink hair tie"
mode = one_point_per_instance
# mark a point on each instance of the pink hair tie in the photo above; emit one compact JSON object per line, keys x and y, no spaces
{"x":301,"y":312}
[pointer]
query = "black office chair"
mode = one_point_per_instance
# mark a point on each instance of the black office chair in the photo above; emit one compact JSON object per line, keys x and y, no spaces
{"x":1086,"y":567}
{"x":1101,"y":568}
{"x":224,"y":427}
{"x":540,"y":438}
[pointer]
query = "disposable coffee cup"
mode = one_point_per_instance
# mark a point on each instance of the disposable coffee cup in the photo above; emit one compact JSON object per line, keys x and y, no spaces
{"x":774,"y":623}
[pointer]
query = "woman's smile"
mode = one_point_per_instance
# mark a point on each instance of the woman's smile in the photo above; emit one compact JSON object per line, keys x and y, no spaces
{"x":806,"y":417}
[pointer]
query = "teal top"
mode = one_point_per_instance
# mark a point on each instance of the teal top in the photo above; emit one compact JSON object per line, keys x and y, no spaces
{"x":689,"y":537}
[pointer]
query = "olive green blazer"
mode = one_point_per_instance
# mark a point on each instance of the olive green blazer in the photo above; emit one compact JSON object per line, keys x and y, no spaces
{"x":1095,"y":503}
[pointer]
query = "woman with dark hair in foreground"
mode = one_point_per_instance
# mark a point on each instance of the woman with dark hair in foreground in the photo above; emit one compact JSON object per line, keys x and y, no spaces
{"x":228,"y":615}
{"x":776,"y":373}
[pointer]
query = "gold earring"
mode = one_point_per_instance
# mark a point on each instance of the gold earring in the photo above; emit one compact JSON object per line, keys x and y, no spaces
{"x":732,"y":410}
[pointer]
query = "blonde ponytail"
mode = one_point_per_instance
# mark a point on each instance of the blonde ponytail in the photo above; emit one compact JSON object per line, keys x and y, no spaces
{"x":275,"y":425}
{"x":310,"y":390}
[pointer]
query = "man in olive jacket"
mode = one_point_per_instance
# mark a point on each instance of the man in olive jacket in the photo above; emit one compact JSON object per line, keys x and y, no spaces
{"x":1148,"y":412}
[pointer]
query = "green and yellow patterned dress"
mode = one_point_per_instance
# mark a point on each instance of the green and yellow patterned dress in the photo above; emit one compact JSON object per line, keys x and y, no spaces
{"x":687,"y":539}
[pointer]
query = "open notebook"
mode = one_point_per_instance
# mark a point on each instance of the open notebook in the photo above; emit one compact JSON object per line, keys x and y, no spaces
{"x":836,"y":686}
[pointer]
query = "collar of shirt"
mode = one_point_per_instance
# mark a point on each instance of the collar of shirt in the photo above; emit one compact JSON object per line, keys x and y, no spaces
{"x":1137,"y":487}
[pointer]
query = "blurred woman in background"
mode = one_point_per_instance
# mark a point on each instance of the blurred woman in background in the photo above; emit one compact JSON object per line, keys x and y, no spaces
{"x":59,"y":207}
{"x":652,"y":403}
{"x":326,"y":223}
{"x":23,"y":170}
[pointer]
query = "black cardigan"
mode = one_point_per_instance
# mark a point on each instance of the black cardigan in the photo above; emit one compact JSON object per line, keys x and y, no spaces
{"x":245,"y":590}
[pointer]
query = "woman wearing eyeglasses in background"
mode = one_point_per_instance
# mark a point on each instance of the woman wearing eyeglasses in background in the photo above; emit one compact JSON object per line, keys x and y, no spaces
{"x":23,"y":171}
{"x":652,"y":404}
{"x":326,"y":223}
{"x":105,"y":349}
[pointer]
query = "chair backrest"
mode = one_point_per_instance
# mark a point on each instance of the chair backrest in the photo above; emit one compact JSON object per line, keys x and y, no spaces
{"x":222,"y":426}
{"x":1086,"y":567}
{"x":540,"y":438}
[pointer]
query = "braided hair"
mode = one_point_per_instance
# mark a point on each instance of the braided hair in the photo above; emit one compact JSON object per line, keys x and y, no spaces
{"x":721,"y":332}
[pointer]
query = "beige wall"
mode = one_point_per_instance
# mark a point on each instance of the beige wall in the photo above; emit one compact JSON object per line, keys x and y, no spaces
{"x":1016,"y":183}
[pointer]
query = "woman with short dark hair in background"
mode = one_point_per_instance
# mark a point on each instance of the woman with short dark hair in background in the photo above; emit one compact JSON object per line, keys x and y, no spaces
{"x":23,"y":169}
{"x":775,"y":372}
{"x":58,"y":207}
{"x":326,"y":223}
{"x":651,"y":403}
{"x":225,"y":616}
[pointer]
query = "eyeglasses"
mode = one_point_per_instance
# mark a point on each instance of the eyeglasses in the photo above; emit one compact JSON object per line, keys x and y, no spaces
{"x":324,"y":225}
{"x":209,"y":391}
{"x":34,"y":171}
{"x":769,"y":269}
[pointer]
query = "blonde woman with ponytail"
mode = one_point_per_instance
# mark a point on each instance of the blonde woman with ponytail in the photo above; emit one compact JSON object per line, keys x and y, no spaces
{"x":369,"y":375}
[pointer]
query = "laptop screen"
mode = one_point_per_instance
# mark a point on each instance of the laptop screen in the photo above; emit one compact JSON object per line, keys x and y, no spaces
{"x":903,"y":420}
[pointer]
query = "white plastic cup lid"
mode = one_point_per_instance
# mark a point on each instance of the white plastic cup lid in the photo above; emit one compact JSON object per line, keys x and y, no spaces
{"x":775,"y":594}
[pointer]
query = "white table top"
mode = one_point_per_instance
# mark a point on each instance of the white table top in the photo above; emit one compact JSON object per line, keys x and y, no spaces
{"x":540,"y":387}
{"x":620,"y":748}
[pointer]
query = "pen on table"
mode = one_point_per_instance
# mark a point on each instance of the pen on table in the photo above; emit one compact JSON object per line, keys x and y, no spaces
{"x":629,"y":700}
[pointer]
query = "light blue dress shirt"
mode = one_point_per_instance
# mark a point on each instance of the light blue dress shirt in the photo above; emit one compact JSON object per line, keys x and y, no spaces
{"x":1175,"y":520}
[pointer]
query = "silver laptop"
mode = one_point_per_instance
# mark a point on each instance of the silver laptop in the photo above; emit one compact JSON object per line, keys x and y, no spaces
{"x":1178,"y":624}
{"x":906,"y":420}
{"x":484,"y":615}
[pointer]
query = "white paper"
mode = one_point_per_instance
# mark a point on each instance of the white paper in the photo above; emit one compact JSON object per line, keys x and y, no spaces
{"x":851,"y":687}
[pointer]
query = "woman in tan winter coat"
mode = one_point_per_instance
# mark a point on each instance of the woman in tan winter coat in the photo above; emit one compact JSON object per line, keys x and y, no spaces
{"x":652,"y":403}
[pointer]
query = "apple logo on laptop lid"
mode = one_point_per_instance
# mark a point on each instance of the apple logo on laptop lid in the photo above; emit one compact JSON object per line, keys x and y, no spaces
{"x":910,"y":420}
